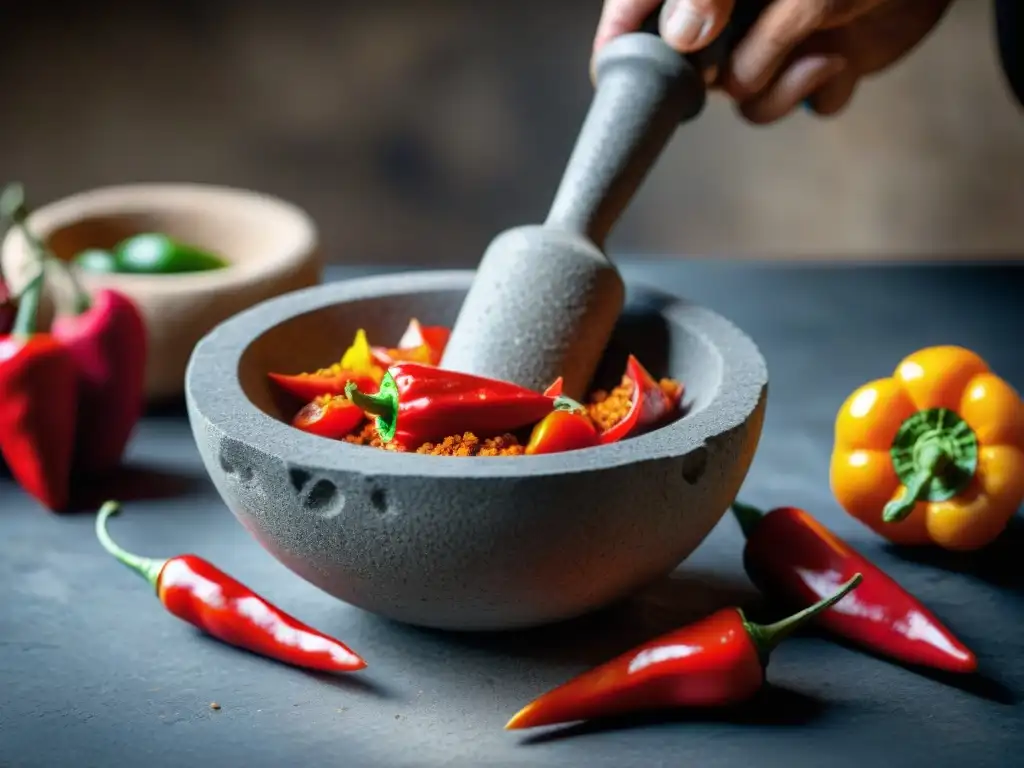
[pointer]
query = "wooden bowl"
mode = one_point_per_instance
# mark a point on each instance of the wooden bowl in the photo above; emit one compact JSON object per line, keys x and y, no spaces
{"x":271,"y":247}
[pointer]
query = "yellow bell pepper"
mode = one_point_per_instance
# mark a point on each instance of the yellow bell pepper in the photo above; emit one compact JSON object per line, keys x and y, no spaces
{"x":934,"y":454}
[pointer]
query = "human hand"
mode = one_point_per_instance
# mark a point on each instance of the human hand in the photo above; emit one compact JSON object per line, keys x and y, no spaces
{"x":798,"y":51}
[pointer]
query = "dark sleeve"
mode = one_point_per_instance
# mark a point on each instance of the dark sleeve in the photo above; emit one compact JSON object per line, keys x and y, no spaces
{"x":1010,"y":33}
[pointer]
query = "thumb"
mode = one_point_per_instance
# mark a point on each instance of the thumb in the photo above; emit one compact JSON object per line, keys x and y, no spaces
{"x":689,"y":25}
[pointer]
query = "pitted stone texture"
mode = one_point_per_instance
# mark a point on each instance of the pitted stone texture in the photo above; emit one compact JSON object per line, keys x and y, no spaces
{"x":546,"y":298}
{"x":472,"y":544}
{"x":543,"y":305}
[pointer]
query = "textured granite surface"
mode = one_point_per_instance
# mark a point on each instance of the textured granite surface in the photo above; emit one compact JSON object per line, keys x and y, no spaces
{"x":93,"y":673}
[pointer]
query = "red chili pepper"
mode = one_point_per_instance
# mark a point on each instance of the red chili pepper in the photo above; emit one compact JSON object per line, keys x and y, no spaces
{"x":356,"y":365}
{"x":793,"y":557}
{"x":419,"y":403}
{"x":718,"y":661}
{"x":556,"y":387}
{"x":203,"y":595}
{"x":564,"y":429}
{"x":331,"y":416}
{"x":650,"y":404}
{"x":105,"y":336}
{"x":38,"y":399}
{"x":419,"y":344}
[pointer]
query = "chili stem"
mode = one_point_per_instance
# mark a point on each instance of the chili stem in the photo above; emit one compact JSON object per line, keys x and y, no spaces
{"x":148,"y":568}
{"x":28,"y":307}
{"x":566,"y":403}
{"x":383,"y":405}
{"x":747,"y":516}
{"x":933,"y":460}
{"x":767,"y":637}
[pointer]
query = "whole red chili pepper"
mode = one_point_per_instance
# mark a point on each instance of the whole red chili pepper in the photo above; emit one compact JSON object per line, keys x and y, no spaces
{"x":791,"y":556}
{"x":419,"y":344}
{"x":718,"y":661}
{"x":203,"y":595}
{"x":38,"y":399}
{"x":564,"y":429}
{"x":649,"y":404}
{"x":105,"y":336}
{"x":419,"y":403}
{"x":331,"y":416}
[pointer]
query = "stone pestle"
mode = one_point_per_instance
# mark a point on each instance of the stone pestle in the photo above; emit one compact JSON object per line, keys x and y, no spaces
{"x":546,"y":298}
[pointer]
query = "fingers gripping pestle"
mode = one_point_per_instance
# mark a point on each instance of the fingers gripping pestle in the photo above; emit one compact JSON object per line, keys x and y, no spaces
{"x":546,"y":298}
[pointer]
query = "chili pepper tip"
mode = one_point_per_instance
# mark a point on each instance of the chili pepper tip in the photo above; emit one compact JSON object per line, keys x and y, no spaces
{"x":147,"y":568}
{"x":747,"y":516}
{"x":767,"y":637}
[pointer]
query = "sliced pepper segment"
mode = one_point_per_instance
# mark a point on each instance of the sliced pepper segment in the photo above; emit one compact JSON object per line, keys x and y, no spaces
{"x":567,"y":428}
{"x":331,"y":416}
{"x":419,"y":344}
{"x":933,"y":454}
{"x":650,"y":404}
{"x":356,"y":365}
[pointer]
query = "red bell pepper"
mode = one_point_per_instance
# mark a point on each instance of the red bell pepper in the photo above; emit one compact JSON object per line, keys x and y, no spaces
{"x":419,"y":344}
{"x":418,"y":403}
{"x":38,"y":400}
{"x":356,"y":365}
{"x":564,"y":429}
{"x":793,"y":557}
{"x":650,"y":404}
{"x":331,"y":416}
{"x":717,"y":662}
{"x":105,"y":336}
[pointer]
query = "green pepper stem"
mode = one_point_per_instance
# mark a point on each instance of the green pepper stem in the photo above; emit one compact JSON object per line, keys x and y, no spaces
{"x":566,"y":403}
{"x":767,"y":637}
{"x":147,"y":567}
{"x":14,"y":208}
{"x":747,"y":516}
{"x":383,"y":405}
{"x":28,"y":307}
{"x":931,"y":462}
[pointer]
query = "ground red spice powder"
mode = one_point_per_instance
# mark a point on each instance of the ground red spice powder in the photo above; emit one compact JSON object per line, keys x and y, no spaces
{"x":604,"y":408}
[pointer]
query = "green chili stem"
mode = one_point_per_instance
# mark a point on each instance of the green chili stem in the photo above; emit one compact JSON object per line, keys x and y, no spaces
{"x":13,"y":207}
{"x":747,"y":516}
{"x":383,"y":405}
{"x":28,"y":307}
{"x":566,"y":403}
{"x":147,"y":567}
{"x":931,"y":462}
{"x":767,"y":637}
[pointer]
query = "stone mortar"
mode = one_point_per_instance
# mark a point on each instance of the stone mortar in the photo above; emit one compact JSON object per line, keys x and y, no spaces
{"x":472,"y":543}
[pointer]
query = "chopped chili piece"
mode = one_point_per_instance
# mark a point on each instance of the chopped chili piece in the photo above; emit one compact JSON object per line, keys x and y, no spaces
{"x":564,"y":429}
{"x":718,"y":661}
{"x":638,"y":403}
{"x":791,"y":556}
{"x":419,"y":344}
{"x":332,"y":416}
{"x":198,"y":592}
{"x":356,"y":366}
{"x":933,"y":454}
{"x":419,"y":403}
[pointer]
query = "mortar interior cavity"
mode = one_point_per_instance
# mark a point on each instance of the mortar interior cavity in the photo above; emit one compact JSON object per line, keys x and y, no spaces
{"x":315,"y":339}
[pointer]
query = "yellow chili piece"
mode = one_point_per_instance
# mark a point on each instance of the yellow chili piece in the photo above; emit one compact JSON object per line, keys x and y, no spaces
{"x":933,"y":454}
{"x":358,"y":358}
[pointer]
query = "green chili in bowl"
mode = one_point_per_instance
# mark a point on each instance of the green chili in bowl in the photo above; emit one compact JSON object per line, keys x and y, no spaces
{"x":149,"y":253}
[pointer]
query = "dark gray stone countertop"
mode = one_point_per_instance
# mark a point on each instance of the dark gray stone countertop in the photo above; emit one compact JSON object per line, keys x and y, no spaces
{"x":93,"y":672}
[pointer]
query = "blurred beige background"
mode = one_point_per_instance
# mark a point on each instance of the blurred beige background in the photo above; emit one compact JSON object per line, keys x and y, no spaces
{"x":413,"y":131}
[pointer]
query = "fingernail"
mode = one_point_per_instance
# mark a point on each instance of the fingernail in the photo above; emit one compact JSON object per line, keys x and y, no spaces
{"x":682,"y":25}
